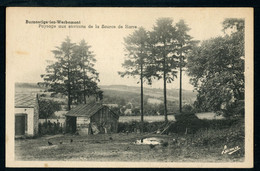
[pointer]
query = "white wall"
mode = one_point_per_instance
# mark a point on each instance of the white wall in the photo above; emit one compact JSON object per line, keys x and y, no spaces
{"x":30,"y":119}
{"x":83,"y":125}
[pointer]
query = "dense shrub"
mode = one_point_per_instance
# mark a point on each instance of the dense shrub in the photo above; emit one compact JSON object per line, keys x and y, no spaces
{"x":216,"y":136}
{"x":191,"y":123}
{"x":231,"y":137}
{"x":134,"y":126}
{"x":221,"y":124}
{"x":186,"y":122}
{"x":187,"y":108}
{"x":234,"y":109}
{"x":50,"y":128}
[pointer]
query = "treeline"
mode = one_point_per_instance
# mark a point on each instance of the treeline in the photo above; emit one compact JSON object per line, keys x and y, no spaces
{"x":215,"y":65}
{"x":157,"y":54}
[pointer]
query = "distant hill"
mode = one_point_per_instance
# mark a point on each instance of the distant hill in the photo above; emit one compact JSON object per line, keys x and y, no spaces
{"x":28,"y":88}
{"x":157,"y":93}
{"x":26,"y":85}
{"x":125,"y":97}
{"x":123,"y":91}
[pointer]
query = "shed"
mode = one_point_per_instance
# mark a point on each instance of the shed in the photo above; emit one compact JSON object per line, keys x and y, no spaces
{"x":92,"y":118}
{"x":26,"y":114}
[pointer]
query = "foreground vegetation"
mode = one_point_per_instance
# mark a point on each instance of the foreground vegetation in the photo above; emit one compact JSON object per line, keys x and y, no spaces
{"x":204,"y":145}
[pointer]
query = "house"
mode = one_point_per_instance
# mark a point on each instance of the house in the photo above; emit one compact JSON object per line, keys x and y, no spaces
{"x":112,"y":105}
{"x":26,"y":114}
{"x":91,"y":118}
{"x":128,"y":112}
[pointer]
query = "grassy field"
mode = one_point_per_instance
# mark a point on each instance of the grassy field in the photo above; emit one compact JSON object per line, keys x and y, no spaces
{"x":121,"y":147}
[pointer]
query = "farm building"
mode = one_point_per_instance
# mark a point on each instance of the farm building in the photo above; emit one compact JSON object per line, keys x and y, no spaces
{"x":26,"y":114}
{"x":91,"y":118}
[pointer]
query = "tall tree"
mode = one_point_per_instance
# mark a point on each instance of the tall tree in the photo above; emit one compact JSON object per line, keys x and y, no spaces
{"x":72,"y":72}
{"x":163,"y":38}
{"x":184,"y":45}
{"x":137,"y":48}
{"x":217,"y":70}
{"x":87,"y":75}
{"x":59,"y":76}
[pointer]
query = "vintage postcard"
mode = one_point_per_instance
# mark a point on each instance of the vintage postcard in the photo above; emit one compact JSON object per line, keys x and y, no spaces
{"x":129,"y":87}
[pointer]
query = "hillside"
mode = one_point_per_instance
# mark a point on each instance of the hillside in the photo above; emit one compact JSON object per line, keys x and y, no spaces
{"x":123,"y":94}
{"x":156,"y":93}
{"x":28,"y":88}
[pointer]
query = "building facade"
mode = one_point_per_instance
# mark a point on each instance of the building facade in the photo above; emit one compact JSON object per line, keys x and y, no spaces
{"x":91,"y":119}
{"x":26,"y":114}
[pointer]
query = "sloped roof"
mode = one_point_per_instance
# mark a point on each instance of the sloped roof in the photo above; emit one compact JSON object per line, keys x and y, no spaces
{"x":87,"y":110}
{"x":25,"y":100}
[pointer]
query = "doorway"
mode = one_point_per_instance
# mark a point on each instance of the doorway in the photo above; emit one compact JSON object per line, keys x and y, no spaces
{"x":20,"y":124}
{"x":71,"y":124}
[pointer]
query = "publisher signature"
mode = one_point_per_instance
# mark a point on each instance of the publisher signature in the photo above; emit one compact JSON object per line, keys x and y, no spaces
{"x":230,"y":150}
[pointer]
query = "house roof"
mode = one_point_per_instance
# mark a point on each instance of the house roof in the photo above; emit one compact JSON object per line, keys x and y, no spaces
{"x":87,"y":110}
{"x":25,"y":100}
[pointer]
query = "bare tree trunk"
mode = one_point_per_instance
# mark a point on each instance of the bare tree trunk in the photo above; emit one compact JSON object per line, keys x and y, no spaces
{"x":84,"y":87}
{"x":180,"y":96}
{"x":164,"y":92}
{"x":46,"y":121}
{"x":84,"y":83}
{"x":69,"y":97}
{"x":69,"y":93}
{"x":142,"y":98}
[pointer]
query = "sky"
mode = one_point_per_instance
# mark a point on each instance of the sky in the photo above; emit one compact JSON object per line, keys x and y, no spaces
{"x":29,"y":46}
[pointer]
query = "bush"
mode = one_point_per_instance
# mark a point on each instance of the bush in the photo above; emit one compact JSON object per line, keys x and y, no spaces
{"x":221,"y":124}
{"x":187,"y":108}
{"x":193,"y":124}
{"x":134,"y":125}
{"x":235,"y":109}
{"x":186,"y":122}
{"x":231,"y":137}
{"x":50,"y":128}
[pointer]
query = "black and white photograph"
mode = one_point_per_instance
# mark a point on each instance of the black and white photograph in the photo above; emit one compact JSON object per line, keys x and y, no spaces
{"x":129,"y":87}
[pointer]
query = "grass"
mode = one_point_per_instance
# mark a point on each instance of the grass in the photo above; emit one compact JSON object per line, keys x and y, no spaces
{"x":203,"y":146}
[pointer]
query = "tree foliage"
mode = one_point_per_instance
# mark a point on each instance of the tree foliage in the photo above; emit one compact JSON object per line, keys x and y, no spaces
{"x":72,"y":73}
{"x":136,"y":64}
{"x":157,"y":54}
{"x":87,"y":75}
{"x":138,"y":55}
{"x":47,"y":108}
{"x":164,"y":43}
{"x":184,"y":45}
{"x":217,"y":70}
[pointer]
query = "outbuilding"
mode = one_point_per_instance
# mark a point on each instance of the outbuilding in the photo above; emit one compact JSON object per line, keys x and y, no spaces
{"x":26,"y":114}
{"x":92,"y":118}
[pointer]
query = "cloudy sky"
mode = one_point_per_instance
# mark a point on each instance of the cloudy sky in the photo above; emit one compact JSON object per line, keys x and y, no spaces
{"x":29,"y":46}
